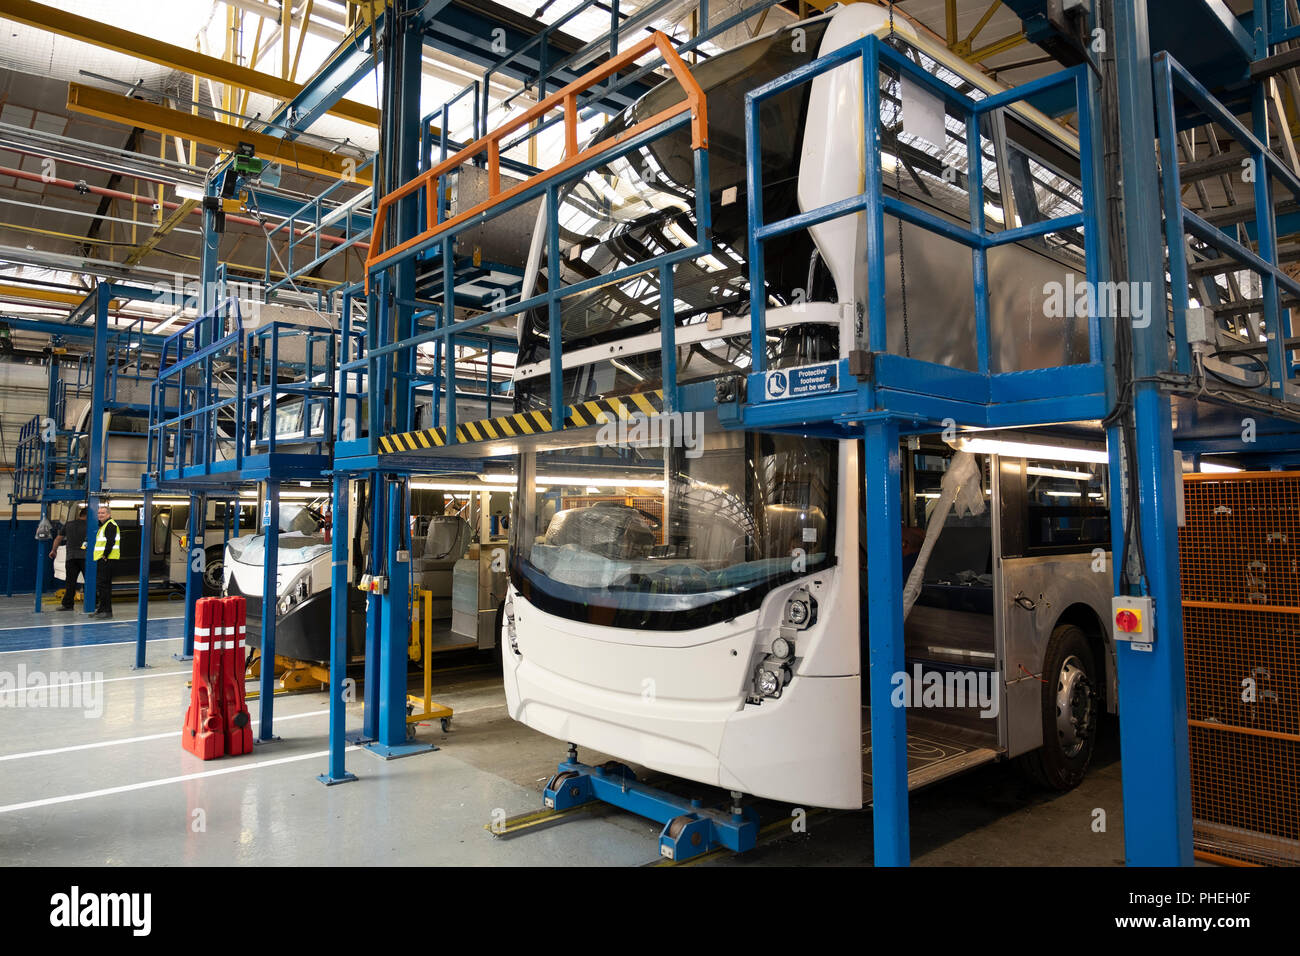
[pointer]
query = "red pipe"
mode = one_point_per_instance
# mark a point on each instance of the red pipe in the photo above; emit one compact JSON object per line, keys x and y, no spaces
{"x":145,"y":200}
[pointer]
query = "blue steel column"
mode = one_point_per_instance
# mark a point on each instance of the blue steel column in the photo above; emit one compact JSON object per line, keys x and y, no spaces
{"x":396,"y":630}
{"x":209,"y":254}
{"x":42,"y":555}
{"x":555,"y":335}
{"x":51,"y":410}
{"x":337,"y":772}
{"x":13,"y":546}
{"x":389,"y":613}
{"x":193,"y":579}
{"x":394,"y":637}
{"x":374,"y":610}
{"x":668,"y":338}
{"x":270,"y":598}
{"x":142,"y":596}
{"x":883,"y":510}
{"x":1152,"y":684}
{"x":400,"y":147}
{"x":95,"y":462}
{"x":448,"y":317}
{"x":884,"y":576}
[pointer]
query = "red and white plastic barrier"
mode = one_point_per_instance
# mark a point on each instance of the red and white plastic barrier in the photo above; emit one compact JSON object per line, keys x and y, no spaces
{"x":217,"y":721}
{"x":239,"y":727}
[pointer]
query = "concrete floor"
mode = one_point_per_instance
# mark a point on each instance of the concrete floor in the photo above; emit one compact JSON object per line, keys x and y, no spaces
{"x":104,"y":780}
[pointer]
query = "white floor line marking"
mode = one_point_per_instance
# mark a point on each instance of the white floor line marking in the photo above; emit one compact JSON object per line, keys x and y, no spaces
{"x":125,"y":620}
{"x":83,"y":647}
{"x":105,"y":680}
{"x":148,"y":784}
{"x":102,"y":743}
{"x":136,"y":740}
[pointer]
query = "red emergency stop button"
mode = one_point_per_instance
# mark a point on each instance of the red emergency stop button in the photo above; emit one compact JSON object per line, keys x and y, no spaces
{"x":1128,"y":621}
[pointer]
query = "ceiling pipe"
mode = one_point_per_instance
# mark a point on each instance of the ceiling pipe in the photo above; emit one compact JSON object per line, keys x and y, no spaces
{"x":104,"y":166}
{"x":110,"y":158}
{"x":117,"y":166}
{"x":166,"y":204}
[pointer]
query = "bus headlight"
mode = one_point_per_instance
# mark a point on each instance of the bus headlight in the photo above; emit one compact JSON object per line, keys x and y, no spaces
{"x":801,"y":610}
{"x":798,"y":612}
{"x":299,"y":591}
{"x":770,"y":678}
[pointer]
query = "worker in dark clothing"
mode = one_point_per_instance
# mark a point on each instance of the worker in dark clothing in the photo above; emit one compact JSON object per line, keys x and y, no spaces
{"x":74,"y":536}
{"x":108,"y":548}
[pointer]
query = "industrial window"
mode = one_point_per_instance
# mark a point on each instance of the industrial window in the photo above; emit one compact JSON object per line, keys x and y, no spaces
{"x":1068,"y":506}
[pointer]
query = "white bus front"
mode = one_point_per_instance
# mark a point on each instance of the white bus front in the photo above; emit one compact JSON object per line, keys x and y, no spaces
{"x":692,"y":613}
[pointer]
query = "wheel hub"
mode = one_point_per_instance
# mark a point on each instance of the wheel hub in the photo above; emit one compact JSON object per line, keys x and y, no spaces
{"x":1073,"y":706}
{"x":213,"y":574}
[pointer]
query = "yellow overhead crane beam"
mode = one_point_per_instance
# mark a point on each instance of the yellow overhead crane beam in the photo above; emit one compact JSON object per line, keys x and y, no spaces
{"x":364,"y":11}
{"x":161,"y":119}
{"x":109,"y":37}
{"x":167,"y":225}
{"x":22,"y":293}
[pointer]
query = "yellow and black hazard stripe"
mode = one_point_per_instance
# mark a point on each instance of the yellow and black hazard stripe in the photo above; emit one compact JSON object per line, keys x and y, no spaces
{"x":598,"y":411}
{"x":601,"y":411}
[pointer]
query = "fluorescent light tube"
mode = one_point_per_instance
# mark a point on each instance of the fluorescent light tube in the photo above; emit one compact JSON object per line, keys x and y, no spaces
{"x":1018,"y":449}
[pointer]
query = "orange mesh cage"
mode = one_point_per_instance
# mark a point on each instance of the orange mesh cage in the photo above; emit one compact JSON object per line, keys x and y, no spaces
{"x":1240,"y":556}
{"x":565,"y":99}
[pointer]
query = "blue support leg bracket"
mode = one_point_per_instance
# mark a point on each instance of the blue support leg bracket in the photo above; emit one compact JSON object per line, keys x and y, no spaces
{"x":396,"y":751}
{"x":690,"y":828}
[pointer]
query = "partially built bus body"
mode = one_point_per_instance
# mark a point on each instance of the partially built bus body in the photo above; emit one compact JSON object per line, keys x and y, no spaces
{"x":696,"y":606}
{"x":456,"y":587}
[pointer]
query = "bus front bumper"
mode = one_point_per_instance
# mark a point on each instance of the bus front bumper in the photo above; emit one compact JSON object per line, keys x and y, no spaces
{"x":682,"y":709}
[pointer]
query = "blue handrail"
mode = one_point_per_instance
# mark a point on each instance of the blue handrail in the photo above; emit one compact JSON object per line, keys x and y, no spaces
{"x":187,"y":373}
{"x":873,"y":53}
{"x":1180,"y":221}
{"x":264,"y":387}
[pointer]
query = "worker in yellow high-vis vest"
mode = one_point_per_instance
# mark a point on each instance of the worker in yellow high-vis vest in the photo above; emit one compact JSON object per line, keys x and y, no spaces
{"x":108,"y":548}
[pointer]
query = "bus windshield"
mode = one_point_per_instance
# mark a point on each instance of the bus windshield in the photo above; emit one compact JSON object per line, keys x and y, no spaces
{"x":683,"y":537}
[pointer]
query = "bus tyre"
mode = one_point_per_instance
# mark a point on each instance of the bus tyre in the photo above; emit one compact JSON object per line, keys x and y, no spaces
{"x":1070,"y":704}
{"x":214,"y":569}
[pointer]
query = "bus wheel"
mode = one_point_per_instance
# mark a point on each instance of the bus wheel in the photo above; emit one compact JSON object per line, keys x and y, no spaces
{"x":213,"y":572}
{"x":1069,"y":712}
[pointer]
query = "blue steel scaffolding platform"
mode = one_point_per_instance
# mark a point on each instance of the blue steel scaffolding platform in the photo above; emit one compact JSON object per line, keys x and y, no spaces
{"x":60,"y":460}
{"x":882,"y":395}
{"x":217,"y":422}
{"x":879,"y":395}
{"x":1157,"y":401}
